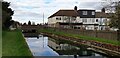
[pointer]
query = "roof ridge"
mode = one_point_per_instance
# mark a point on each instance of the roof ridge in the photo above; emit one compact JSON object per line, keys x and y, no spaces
{"x":66,"y":9}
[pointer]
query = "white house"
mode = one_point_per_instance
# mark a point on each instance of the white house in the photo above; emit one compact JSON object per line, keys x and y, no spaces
{"x":79,"y":19}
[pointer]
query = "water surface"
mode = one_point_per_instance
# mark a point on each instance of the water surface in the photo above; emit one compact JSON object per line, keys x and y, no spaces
{"x":46,"y":46}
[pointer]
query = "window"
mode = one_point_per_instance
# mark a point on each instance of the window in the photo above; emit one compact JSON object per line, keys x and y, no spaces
{"x":104,"y":20}
{"x":74,"y":19}
{"x":78,"y":27}
{"x":84,"y":20}
{"x":84,"y":12}
{"x":96,"y":28}
{"x":96,"y":20}
{"x":58,"y":18}
{"x":93,"y":13}
{"x":65,"y":18}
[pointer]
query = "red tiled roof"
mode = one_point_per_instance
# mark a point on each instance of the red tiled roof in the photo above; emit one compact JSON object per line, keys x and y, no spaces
{"x":65,"y":13}
{"x":75,"y":13}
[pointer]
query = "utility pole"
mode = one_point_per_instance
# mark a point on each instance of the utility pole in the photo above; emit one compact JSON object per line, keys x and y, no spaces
{"x":43,"y":18}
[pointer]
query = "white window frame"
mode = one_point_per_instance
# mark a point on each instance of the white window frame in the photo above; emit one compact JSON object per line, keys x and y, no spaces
{"x":58,"y":18}
{"x":93,"y":13}
{"x":84,"y":12}
{"x":84,"y":20}
{"x":104,"y":20}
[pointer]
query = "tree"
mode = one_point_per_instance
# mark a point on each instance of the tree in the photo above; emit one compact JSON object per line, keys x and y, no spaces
{"x":29,"y":23}
{"x":113,"y":7}
{"x":6,"y":15}
{"x":24,"y":24}
{"x":115,"y":18}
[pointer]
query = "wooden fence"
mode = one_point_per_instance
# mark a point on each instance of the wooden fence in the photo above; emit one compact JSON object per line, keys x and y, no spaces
{"x":110,"y":35}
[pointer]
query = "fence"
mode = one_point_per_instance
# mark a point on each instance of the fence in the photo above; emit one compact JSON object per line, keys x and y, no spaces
{"x":110,"y":35}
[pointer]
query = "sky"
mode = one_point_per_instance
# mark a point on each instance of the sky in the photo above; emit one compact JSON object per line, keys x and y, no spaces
{"x":33,"y":10}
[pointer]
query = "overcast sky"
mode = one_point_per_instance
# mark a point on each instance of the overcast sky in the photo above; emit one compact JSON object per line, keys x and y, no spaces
{"x":25,"y":10}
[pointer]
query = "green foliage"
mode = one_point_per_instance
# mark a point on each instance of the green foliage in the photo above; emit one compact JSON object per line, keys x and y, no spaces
{"x":6,"y":15}
{"x":115,"y":18}
{"x":29,"y":23}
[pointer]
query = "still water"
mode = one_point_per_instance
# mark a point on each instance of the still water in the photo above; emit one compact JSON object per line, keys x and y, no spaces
{"x":46,"y":46}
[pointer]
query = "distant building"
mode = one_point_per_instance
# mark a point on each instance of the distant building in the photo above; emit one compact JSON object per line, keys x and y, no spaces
{"x":80,"y":19}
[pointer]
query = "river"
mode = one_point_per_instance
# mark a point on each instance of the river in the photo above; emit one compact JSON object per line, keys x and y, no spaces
{"x":46,"y":46}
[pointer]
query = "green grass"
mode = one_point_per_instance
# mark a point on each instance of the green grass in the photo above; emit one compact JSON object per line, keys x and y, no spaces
{"x":13,"y":44}
{"x":81,"y":37}
{"x":0,"y":42}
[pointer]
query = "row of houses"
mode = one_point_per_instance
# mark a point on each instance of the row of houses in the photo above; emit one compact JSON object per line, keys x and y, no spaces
{"x":80,"y":19}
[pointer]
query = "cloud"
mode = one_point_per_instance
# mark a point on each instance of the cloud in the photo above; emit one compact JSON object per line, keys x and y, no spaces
{"x":33,"y":10}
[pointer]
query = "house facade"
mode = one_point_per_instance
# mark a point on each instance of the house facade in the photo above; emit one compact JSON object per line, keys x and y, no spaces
{"x":79,"y":19}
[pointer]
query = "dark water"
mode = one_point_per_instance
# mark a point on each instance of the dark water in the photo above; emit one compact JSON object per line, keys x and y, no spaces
{"x":45,"y":46}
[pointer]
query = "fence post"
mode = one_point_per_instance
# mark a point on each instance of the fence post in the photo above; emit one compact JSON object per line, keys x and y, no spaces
{"x":96,"y":33}
{"x":118,"y":35}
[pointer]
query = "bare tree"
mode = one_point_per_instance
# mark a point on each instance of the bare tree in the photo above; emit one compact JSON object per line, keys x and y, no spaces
{"x":113,"y":7}
{"x":109,"y":5}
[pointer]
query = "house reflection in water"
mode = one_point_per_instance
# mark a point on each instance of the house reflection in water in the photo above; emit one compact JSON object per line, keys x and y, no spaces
{"x":67,"y":49}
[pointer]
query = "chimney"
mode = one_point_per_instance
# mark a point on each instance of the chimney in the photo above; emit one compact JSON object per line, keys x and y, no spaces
{"x":75,"y":8}
{"x":103,"y":10}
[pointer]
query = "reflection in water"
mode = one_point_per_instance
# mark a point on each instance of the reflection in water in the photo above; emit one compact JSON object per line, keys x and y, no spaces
{"x":39,"y":46}
{"x":66,"y":49}
{"x":45,"y":46}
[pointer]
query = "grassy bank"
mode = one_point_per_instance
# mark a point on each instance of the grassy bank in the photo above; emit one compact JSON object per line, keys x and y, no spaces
{"x":80,"y":37}
{"x":13,"y":44}
{"x":0,"y":42}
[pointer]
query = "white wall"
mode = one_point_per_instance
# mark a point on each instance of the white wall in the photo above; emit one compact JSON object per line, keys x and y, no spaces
{"x":78,"y":20}
{"x":87,"y":20}
{"x":101,"y":21}
{"x":90,"y":27}
{"x":53,"y":20}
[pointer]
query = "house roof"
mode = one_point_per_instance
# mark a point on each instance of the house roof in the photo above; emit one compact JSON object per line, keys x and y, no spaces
{"x":86,"y":10}
{"x":103,"y":14}
{"x":110,"y":14}
{"x":65,"y":13}
{"x":100,"y":14}
{"x":76,"y":13}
